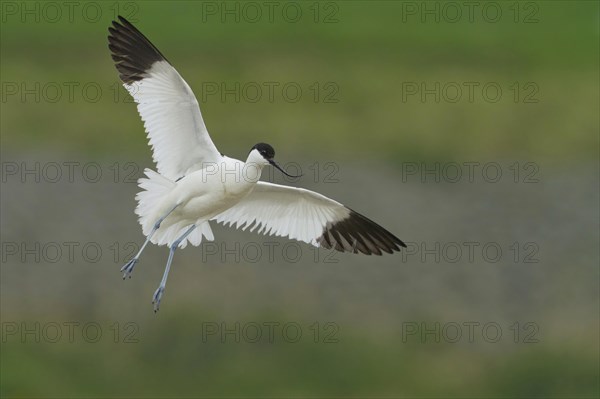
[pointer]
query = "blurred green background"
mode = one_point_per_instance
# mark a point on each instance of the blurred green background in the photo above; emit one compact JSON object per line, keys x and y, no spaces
{"x":354,"y":62}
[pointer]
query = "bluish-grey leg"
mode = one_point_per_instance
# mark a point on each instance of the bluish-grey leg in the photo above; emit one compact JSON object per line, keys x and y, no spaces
{"x":128,"y":268}
{"x":161,"y":288}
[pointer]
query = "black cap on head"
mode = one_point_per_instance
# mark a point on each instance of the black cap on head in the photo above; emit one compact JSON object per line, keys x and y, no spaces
{"x":268,"y":153}
{"x":265,"y":150}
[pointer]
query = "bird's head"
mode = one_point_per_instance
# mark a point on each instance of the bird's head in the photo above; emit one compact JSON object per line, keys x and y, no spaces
{"x":263,"y":154}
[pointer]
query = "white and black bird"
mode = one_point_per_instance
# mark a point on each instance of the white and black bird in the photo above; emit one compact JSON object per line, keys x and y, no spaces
{"x":196,"y":184}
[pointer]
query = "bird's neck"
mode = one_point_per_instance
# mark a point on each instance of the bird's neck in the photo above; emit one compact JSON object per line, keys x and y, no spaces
{"x":251,"y":171}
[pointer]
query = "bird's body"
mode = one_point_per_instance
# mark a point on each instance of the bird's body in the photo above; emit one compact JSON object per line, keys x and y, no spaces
{"x":201,"y":195}
{"x":196,"y":184}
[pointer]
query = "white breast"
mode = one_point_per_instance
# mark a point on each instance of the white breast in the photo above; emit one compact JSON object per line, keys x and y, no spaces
{"x":215,"y":188}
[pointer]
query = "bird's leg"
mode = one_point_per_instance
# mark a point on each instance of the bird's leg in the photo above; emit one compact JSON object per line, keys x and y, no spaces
{"x":161,"y":288}
{"x":128,"y":268}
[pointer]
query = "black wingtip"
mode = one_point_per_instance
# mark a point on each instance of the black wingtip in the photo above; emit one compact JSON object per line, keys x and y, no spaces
{"x":132,"y":52}
{"x":357,"y":233}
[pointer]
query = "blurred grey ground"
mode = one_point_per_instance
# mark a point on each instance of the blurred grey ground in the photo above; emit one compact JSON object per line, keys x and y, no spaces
{"x":559,"y":214}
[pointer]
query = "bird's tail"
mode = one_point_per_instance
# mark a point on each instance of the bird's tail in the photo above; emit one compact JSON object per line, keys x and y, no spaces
{"x":155,"y":188}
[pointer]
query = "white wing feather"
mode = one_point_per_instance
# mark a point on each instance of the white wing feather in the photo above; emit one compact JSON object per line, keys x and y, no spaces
{"x":166,"y":103}
{"x":173,"y":121}
{"x":284,"y":211}
{"x":310,"y":217}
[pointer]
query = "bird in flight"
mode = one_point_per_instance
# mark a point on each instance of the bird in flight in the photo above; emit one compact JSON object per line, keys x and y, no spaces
{"x":195,"y":184}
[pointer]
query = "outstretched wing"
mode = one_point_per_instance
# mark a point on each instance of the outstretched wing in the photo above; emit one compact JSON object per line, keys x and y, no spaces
{"x":307,"y":216}
{"x":167,"y":105}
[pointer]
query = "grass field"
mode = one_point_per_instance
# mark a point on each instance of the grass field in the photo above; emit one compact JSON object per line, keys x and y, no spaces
{"x":546,"y":71}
